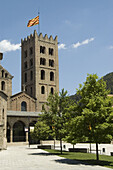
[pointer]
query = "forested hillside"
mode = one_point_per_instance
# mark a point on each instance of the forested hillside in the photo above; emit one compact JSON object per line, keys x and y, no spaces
{"x":108,"y":78}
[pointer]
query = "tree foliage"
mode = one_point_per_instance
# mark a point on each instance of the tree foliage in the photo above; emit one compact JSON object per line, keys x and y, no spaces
{"x":92,"y":119}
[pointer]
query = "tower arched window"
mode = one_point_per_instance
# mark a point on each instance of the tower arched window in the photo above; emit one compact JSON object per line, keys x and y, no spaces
{"x":52,"y":90}
{"x":31,"y":75}
{"x":31,"y":62}
{"x":51,"y":63}
{"x":51,"y":76}
{"x":23,"y":106}
{"x":25,"y":77}
{"x":42,"y":90}
{"x":42,"y":61}
{"x":42,"y":49}
{"x":2,"y":85}
{"x":42,"y":75}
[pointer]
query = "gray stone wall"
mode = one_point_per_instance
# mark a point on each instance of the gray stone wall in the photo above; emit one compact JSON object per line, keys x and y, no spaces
{"x":3,"y":119}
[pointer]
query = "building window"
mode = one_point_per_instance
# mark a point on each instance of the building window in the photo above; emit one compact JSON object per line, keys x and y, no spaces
{"x":42,"y":75}
{"x":51,"y":76}
{"x":52,"y":90}
{"x":25,"y":54}
{"x":31,"y":50}
{"x":50,"y":51}
{"x":2,"y":73}
{"x":51,"y":63}
{"x":31,"y":90}
{"x":2,"y":85}
{"x":25,"y":77}
{"x":31,"y":62}
{"x":25,"y":65}
{"x":6,"y":75}
{"x":31,"y":75}
{"x":42,"y":49}
{"x":23,"y":106}
{"x":42,"y":90}
{"x":3,"y":114}
{"x":42,"y":61}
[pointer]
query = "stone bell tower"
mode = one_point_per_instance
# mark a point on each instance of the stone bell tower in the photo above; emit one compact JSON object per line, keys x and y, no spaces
{"x":39,"y":67}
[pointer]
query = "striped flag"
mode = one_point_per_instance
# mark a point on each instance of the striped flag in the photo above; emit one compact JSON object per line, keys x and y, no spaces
{"x":33,"y":21}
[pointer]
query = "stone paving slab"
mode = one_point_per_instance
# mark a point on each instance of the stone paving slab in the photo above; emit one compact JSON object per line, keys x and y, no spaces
{"x":25,"y":158}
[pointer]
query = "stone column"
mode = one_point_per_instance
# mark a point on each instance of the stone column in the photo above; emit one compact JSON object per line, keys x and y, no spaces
{"x":11,"y":134}
{"x":26,"y":136}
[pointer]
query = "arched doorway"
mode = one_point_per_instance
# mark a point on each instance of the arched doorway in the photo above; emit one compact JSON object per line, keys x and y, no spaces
{"x":8,"y":132}
{"x":19,"y":132}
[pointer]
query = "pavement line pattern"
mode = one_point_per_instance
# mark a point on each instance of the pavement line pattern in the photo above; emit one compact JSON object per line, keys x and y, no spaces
{"x":25,"y":158}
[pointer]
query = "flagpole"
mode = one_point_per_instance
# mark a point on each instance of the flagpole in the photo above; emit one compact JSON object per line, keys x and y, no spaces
{"x":39,"y":23}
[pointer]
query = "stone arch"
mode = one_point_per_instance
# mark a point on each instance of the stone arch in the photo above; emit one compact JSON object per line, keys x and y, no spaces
{"x":19,"y":134}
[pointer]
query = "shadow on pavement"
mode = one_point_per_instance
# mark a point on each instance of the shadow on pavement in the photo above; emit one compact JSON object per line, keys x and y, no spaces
{"x":45,"y":154}
{"x":85,"y":162}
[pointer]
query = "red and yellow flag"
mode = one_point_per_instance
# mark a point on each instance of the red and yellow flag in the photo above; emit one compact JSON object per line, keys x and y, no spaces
{"x":33,"y":21}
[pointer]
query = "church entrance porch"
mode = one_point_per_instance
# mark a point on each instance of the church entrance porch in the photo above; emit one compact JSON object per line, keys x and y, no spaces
{"x":19,"y":125}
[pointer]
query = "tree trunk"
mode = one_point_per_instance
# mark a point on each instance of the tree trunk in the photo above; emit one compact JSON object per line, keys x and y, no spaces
{"x":54,"y":143}
{"x":90,"y":147}
{"x":97,"y":155}
{"x":61,"y":145}
{"x":73,"y":146}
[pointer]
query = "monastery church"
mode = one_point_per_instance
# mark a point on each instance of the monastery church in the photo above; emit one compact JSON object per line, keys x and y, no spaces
{"x":39,"y":78}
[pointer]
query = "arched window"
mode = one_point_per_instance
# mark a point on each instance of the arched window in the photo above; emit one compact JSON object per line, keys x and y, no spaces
{"x":42,"y":49}
{"x":25,"y":77}
{"x":31,"y":90}
{"x":42,"y":61}
{"x":42,"y":75}
{"x":31,"y":62}
{"x":52,"y":90}
{"x":50,"y":51}
{"x":31,"y":75}
{"x":6,"y":75}
{"x":51,"y":63}
{"x":3,"y":114}
{"x":51,"y":76}
{"x":42,"y":90}
{"x":2,"y":85}
{"x":2,"y":73}
{"x":31,"y":50}
{"x":23,"y":106}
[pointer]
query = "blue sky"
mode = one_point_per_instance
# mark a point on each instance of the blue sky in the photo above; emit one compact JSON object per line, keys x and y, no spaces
{"x":85,"y":35}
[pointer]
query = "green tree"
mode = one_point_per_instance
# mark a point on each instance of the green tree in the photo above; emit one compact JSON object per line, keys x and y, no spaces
{"x":54,"y":114}
{"x":93,"y":118}
{"x":41,"y":131}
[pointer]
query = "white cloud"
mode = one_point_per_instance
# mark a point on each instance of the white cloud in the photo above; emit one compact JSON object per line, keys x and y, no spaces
{"x":87,"y":41}
{"x":6,"y":46}
{"x":111,"y":47}
{"x":62,"y":46}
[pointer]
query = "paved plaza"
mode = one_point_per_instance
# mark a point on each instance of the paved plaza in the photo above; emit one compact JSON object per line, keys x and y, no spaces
{"x":25,"y":158}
